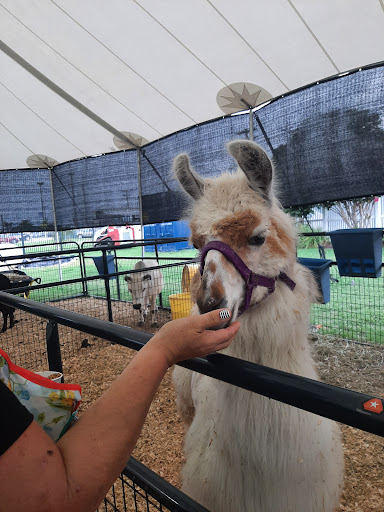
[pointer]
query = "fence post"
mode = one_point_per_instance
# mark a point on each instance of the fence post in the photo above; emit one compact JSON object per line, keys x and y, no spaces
{"x":106,"y":283}
{"x":82,"y":271}
{"x":55,"y":363}
{"x":83,"y":266}
{"x":157,"y":259}
{"x":117,"y":277}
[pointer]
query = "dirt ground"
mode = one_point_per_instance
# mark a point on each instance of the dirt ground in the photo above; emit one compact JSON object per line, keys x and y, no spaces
{"x":94,"y":365}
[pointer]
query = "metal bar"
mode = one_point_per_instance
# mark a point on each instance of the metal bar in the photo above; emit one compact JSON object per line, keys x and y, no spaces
{"x":117,"y":277}
{"x":53,"y":347}
{"x":106,"y":284}
{"x":160,"y":489}
{"x":157,"y":259}
{"x":310,"y":395}
{"x":23,"y":289}
{"x":319,"y":398}
{"x":140,"y":199}
{"x":63,"y":94}
{"x":264,"y":133}
{"x":156,"y":171}
{"x":55,"y":221}
{"x":83,"y":272}
{"x":92,"y":249}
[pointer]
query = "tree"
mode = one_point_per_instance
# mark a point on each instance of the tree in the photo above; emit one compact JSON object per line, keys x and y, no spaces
{"x":26,"y":225}
{"x":356,"y":213}
{"x":301,"y":213}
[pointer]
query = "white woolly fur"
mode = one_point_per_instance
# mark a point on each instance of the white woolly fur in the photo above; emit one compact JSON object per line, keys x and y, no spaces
{"x":245,"y":452}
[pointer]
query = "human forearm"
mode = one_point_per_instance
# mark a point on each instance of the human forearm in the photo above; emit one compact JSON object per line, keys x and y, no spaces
{"x":106,"y":433}
{"x":75,"y":474}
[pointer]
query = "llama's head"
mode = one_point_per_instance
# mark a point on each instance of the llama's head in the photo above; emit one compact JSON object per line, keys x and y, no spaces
{"x":241,"y":210}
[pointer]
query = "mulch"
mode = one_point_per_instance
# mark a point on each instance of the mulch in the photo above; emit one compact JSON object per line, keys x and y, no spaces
{"x":95,"y":364}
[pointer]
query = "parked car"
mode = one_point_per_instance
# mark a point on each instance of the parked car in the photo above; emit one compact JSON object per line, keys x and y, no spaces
{"x":9,"y":239}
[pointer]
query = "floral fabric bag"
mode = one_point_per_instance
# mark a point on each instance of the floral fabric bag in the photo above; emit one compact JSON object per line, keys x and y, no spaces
{"x":53,"y":405}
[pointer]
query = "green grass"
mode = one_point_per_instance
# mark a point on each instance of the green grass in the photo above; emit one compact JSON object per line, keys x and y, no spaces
{"x":355,"y":310}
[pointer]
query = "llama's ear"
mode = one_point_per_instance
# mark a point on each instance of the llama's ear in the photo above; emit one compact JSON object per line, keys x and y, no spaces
{"x":254,"y":161}
{"x":188,"y":178}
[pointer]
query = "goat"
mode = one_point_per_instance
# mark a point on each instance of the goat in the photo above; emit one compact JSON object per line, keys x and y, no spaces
{"x":145,"y":287}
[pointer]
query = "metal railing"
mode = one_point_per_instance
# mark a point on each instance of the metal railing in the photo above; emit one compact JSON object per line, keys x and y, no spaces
{"x":139,"y":484}
{"x":310,"y":395}
{"x":354,"y":312}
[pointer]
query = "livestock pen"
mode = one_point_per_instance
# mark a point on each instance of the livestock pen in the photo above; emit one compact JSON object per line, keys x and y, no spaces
{"x":354,"y":311}
{"x":137,"y":483}
{"x":92,"y":361}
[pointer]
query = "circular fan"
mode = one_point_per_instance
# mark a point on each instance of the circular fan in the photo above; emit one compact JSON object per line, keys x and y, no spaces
{"x":137,"y":141}
{"x":241,"y":96}
{"x":41,"y":161}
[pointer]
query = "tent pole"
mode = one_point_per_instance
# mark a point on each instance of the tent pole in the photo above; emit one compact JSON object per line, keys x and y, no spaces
{"x":250,"y":124}
{"x":264,"y":134}
{"x":140,"y":200}
{"x":63,"y":94}
{"x":54,"y":220}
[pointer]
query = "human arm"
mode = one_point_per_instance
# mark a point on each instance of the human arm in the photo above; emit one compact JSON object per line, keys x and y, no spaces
{"x":76,"y":473}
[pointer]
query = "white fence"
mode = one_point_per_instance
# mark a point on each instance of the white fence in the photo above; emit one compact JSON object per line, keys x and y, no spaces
{"x":327,"y":220}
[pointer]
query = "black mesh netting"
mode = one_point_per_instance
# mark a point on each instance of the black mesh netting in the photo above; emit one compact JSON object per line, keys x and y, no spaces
{"x":97,"y":191}
{"x":327,"y":142}
{"x":205,"y":145}
{"x":25,"y":200}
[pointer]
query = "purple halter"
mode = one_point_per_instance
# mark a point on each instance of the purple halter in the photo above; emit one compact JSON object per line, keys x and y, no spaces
{"x":251,"y":279}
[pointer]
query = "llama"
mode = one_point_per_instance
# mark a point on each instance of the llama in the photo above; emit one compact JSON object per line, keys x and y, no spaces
{"x":7,"y":311}
{"x":245,"y":452}
{"x":145,"y":287}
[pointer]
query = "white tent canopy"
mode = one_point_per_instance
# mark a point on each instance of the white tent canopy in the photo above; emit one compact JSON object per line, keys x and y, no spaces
{"x":152,"y":67}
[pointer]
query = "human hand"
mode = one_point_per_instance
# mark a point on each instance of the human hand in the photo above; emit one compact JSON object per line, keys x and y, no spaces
{"x":190,"y":337}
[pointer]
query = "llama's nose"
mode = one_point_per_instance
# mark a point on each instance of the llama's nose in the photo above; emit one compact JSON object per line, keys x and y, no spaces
{"x":137,"y":306}
{"x":210,"y":304}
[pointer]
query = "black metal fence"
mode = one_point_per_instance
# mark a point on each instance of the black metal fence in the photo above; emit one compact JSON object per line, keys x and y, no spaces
{"x":71,"y":277}
{"x":355,"y":309}
{"x":101,"y":294}
{"x":85,"y":288}
{"x":329,"y":401}
{"x":139,"y":489}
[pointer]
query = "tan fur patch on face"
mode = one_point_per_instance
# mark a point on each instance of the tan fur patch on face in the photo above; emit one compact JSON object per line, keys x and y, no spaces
{"x":217,"y":290}
{"x":207,"y":299}
{"x":212,"y":266}
{"x":278,"y":242}
{"x":236,"y":230}
{"x":197,"y":240}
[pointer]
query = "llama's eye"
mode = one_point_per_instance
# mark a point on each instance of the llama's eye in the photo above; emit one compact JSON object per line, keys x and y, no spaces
{"x":256,"y":240}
